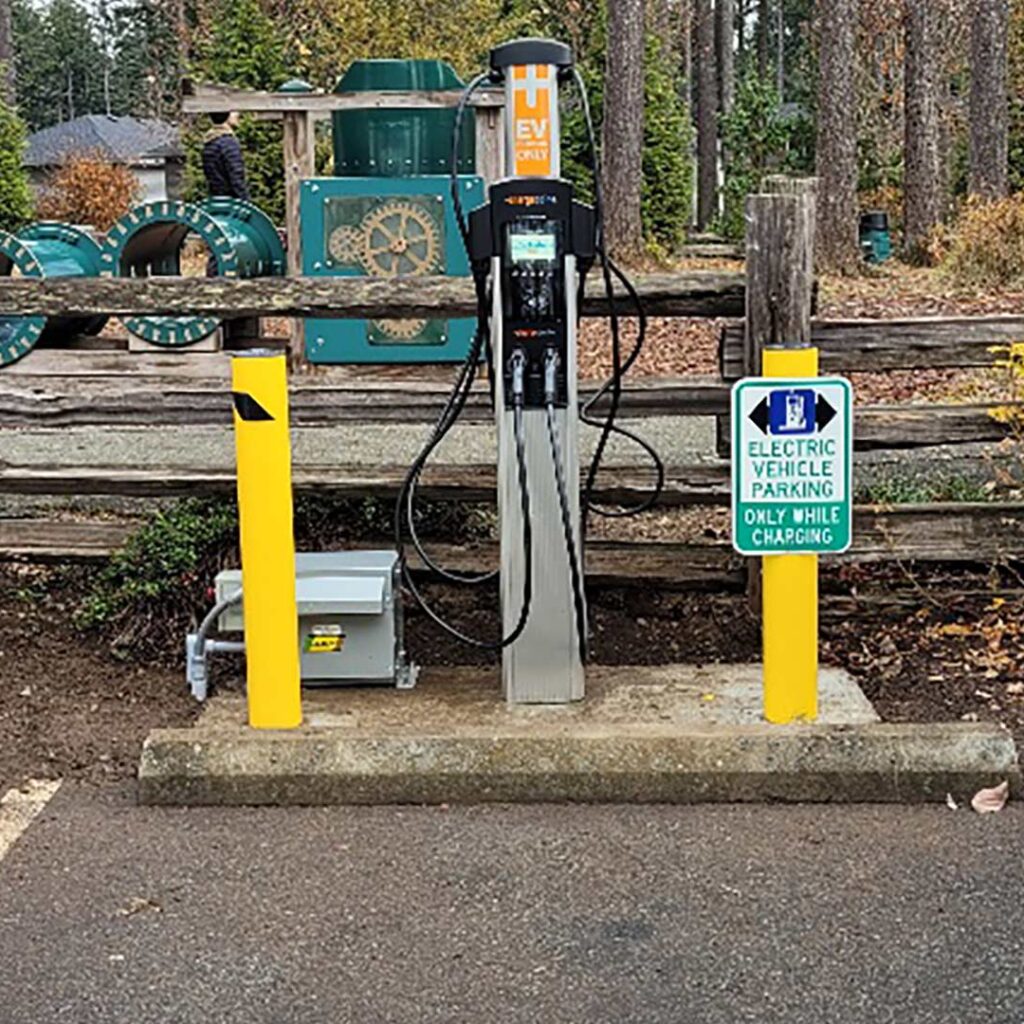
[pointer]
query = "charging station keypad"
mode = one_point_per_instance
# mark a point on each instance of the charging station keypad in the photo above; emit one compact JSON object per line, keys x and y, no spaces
{"x":531,"y":225}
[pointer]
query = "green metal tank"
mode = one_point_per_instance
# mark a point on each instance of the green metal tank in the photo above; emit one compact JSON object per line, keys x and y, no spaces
{"x":147,"y":242}
{"x":45,"y":249}
{"x":399,"y":143}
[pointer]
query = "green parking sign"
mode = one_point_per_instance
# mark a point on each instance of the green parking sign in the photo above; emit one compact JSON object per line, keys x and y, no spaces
{"x":792,"y":459}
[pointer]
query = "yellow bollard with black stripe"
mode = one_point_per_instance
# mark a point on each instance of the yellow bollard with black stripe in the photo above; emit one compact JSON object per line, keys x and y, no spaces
{"x":789,"y":596}
{"x":267,"y":539}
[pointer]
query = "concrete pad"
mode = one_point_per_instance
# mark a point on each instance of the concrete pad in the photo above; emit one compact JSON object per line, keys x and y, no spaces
{"x":644,"y":734}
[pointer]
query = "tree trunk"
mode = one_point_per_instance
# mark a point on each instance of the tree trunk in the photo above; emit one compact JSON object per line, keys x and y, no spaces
{"x":922,"y":206}
{"x":725,"y":27}
{"x":686,"y":45}
{"x":837,"y":245}
{"x":764,"y":36}
{"x":7,"y":83}
{"x":624,"y":127}
{"x":707,"y":114}
{"x":780,"y":50}
{"x":989,"y":141}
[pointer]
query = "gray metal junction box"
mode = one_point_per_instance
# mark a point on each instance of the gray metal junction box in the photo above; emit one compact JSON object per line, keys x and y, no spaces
{"x":350,"y":617}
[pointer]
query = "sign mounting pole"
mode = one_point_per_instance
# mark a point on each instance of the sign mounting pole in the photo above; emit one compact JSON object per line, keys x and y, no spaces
{"x":791,"y":501}
{"x":789,"y":596}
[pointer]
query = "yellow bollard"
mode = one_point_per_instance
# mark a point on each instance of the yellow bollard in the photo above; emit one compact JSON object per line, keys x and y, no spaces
{"x":267,"y":539}
{"x":789,"y":596}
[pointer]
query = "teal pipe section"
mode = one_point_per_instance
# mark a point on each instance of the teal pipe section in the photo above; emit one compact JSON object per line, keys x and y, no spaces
{"x":240,"y":239}
{"x":44,"y":250}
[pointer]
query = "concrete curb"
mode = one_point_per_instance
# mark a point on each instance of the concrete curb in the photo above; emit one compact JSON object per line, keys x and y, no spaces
{"x":878,"y":762}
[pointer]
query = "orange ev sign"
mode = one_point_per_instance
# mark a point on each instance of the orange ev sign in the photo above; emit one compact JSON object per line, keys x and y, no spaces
{"x":531,"y":120}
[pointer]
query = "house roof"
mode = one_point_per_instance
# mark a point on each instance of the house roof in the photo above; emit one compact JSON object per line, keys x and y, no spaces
{"x":122,"y":140}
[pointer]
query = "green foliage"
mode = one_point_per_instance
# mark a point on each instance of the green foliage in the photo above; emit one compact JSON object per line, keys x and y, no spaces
{"x":15,"y":197}
{"x":60,"y":62}
{"x":144,"y":57}
{"x":159,"y":584}
{"x":987,"y":250}
{"x":909,"y":490}
{"x":667,"y":181}
{"x":75,"y":57}
{"x":755,"y":139}
{"x":667,"y":178}
{"x":325,"y":36}
{"x":150,"y":589}
{"x":244,"y":48}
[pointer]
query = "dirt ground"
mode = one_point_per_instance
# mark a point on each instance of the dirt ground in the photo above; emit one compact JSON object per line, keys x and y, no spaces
{"x":69,"y":708}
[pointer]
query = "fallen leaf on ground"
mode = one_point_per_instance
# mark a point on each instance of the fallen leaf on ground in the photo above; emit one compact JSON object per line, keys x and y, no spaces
{"x":955,"y":629}
{"x":988,"y":801}
{"x":138,"y":904}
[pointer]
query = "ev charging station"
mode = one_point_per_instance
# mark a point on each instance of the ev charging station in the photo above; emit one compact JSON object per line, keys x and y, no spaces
{"x":530,"y":247}
{"x":533,"y":233}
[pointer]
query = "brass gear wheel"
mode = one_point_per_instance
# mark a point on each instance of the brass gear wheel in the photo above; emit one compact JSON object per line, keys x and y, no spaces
{"x":346,"y":244}
{"x":403,"y":330}
{"x":400,"y":238}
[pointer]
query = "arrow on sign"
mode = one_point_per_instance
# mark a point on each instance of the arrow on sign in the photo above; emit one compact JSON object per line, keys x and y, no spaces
{"x":759,"y":415}
{"x":824,"y":414}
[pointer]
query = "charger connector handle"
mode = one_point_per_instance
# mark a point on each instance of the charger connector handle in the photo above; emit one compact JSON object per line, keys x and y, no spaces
{"x":518,"y":363}
{"x":550,"y":376}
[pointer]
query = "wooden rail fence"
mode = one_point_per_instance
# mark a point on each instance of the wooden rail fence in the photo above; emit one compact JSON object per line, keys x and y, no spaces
{"x":65,"y":389}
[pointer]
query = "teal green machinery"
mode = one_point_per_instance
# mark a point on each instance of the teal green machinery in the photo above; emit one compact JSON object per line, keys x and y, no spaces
{"x":240,"y":239}
{"x":388,"y":212}
{"x":45,"y":249}
{"x":875,"y":240}
{"x":392,"y":142}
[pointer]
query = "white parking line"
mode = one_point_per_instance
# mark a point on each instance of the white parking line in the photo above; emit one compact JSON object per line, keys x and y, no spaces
{"x":18,"y":808}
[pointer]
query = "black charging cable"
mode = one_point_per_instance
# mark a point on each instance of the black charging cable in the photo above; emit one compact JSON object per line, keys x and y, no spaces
{"x":555,"y":444}
{"x":405,"y":503}
{"x":613,"y":386}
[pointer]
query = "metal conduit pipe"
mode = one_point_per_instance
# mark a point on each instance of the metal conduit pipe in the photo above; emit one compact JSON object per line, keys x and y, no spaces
{"x":148,"y":242}
{"x":198,"y":647}
{"x":46,"y":249}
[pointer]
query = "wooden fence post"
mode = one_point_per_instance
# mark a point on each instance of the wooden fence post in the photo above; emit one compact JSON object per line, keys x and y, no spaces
{"x":299,"y":163}
{"x":780,"y":287}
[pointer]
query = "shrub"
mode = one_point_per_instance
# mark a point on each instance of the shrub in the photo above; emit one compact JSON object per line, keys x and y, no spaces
{"x":146,"y":596}
{"x":15,"y":197}
{"x":754,"y":138}
{"x":667,"y":180}
{"x":89,"y":190}
{"x":158,"y":585}
{"x":987,"y":250}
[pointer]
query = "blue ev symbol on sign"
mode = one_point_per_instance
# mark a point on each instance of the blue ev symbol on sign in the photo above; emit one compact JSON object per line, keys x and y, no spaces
{"x":791,"y":412}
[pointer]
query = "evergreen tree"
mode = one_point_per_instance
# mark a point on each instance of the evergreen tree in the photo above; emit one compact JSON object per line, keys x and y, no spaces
{"x":77,"y":59}
{"x":244,"y":49}
{"x":15,"y":197}
{"x":35,"y":66}
{"x":146,"y":60}
{"x":59,"y":60}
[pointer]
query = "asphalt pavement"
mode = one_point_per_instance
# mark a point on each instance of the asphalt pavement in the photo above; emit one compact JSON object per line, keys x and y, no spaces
{"x":111,"y":912}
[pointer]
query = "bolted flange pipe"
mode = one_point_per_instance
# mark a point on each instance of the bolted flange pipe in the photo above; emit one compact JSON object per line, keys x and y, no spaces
{"x":46,"y":249}
{"x":147,"y":242}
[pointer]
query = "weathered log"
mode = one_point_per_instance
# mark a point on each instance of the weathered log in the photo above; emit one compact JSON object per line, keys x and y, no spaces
{"x":700,"y":484}
{"x":158,"y":400}
{"x":82,"y":401}
{"x":203,"y":98}
{"x":926,"y":343}
{"x":980,"y":532}
{"x":697,"y":293}
{"x":974,"y":533}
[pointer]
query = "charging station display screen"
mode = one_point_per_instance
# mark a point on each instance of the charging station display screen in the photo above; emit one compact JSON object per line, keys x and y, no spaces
{"x":532,"y":248}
